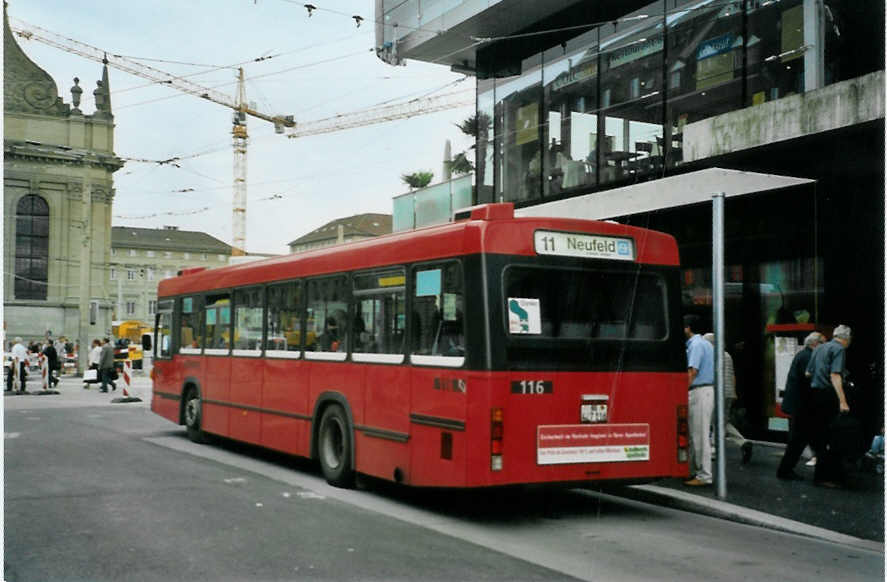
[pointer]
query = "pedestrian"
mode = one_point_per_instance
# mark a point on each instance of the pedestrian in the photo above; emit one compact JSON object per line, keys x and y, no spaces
{"x":700,"y":382}
{"x":52,"y":363}
{"x":732,"y":433}
{"x":106,"y":365}
{"x":827,"y":400}
{"x":19,"y":354}
{"x":796,"y":402}
{"x":93,"y":358}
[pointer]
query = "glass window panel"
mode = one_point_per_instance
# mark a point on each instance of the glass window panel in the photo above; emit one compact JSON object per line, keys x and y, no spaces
{"x":31,"y":248}
{"x":577,"y":304}
{"x":438,"y":309}
{"x":218,"y":322}
{"x":248,"y":319}
{"x":164,"y":334}
{"x":191,"y":331}
{"x":380,"y":321}
{"x":570,"y":77}
{"x":775,"y":50}
{"x":285,"y":317}
{"x":328,"y":315}
{"x":518,"y":136}
{"x":704,"y":67}
{"x":484,"y":165}
{"x":631,"y":98}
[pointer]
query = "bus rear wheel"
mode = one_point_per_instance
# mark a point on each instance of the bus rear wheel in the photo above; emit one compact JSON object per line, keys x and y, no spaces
{"x":193,"y":417}
{"x":334,"y":447}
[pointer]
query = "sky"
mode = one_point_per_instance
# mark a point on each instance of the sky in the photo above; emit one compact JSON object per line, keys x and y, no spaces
{"x":293,"y":185}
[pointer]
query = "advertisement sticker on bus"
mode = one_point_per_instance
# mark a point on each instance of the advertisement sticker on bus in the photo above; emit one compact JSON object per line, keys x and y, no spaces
{"x":588,"y":246}
{"x":524,"y":316}
{"x":584,"y":443}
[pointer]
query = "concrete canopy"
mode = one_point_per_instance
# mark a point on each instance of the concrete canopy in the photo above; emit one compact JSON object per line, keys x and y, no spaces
{"x":670,"y":192}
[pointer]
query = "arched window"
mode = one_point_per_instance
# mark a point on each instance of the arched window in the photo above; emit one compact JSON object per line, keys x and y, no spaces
{"x":31,"y":248}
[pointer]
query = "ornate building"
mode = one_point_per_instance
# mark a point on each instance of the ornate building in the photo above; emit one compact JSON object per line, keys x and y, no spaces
{"x":58,"y":167}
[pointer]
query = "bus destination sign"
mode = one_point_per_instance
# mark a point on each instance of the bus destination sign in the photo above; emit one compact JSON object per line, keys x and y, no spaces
{"x":589,"y":246}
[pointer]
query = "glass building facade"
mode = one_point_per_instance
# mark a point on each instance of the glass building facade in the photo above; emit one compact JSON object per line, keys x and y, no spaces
{"x":609,"y":106}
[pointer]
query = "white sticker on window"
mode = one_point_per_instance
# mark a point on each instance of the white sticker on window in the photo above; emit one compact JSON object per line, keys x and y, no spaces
{"x":524,"y":316}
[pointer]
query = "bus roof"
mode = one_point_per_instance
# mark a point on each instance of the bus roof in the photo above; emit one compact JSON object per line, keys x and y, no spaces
{"x":490,"y":228}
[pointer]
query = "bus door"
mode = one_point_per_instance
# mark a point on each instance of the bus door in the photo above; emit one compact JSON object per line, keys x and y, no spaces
{"x":246,"y":366}
{"x":378,"y":336}
{"x":217,"y":364}
{"x":439,"y":382}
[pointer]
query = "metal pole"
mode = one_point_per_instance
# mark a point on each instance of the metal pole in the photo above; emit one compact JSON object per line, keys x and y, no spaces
{"x":717,"y":286}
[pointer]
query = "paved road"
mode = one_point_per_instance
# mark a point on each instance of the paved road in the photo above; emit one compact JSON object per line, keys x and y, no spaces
{"x":99,"y":491}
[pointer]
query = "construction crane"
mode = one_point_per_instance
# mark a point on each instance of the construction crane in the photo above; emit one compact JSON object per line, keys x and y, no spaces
{"x":282,"y":124}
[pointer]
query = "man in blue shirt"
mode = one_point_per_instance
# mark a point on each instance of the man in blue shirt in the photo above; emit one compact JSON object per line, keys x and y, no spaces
{"x":700,"y":380}
{"x":826,"y":373}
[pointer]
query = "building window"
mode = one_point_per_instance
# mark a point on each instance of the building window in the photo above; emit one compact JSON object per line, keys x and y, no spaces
{"x":149,"y":274}
{"x":133,"y":252}
{"x":150,"y":253}
{"x":203,"y":256}
{"x":167,"y":274}
{"x":221,"y":258}
{"x":152,"y":306}
{"x":130,"y":307}
{"x":186,"y":256}
{"x":31,"y":248}
{"x":131,"y":275}
{"x":113,"y":274}
{"x":167,"y":254}
{"x":113,"y":252}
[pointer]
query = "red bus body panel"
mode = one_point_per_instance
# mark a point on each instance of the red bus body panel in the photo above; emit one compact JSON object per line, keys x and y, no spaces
{"x":425,"y":426}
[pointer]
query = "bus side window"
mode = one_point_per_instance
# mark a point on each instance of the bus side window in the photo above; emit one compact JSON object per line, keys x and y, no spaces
{"x":191,"y":326}
{"x":328,"y":313}
{"x":218,"y":322}
{"x":378,"y":326}
{"x":248,"y":319}
{"x":438,"y":311}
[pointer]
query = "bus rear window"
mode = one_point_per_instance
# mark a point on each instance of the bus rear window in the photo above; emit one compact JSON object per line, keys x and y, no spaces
{"x":577,"y":304}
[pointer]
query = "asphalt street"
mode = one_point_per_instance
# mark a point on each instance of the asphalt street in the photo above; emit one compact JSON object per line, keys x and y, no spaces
{"x":101,"y":491}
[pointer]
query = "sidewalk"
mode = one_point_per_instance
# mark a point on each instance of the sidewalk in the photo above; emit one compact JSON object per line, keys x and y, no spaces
{"x":756,"y":496}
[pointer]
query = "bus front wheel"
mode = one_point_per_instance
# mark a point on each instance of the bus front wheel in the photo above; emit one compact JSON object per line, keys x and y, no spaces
{"x":334,"y":447}
{"x":193,"y":417}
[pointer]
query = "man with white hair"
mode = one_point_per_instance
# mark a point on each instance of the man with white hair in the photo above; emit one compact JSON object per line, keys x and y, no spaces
{"x":826,"y":372}
{"x":796,"y":403}
{"x":19,"y":353}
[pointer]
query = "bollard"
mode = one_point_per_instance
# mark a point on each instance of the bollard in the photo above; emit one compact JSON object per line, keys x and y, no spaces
{"x":17,"y":380}
{"x":127,"y":384}
{"x":44,"y":370}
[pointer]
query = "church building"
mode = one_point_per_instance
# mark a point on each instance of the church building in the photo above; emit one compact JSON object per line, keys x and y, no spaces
{"x":58,"y":187}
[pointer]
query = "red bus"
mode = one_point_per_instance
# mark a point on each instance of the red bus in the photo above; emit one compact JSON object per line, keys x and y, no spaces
{"x":489,"y":351}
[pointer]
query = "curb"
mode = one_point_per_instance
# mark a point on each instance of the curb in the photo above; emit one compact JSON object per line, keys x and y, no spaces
{"x":723,"y":510}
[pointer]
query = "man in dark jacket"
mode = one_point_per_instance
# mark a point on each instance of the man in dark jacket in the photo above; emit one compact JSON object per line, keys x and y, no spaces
{"x":106,"y":365}
{"x":52,"y":363}
{"x":796,"y":402}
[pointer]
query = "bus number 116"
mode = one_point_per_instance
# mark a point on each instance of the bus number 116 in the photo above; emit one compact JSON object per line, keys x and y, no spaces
{"x":532,"y":387}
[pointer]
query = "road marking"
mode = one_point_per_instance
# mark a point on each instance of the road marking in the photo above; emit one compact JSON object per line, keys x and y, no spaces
{"x":309,"y":495}
{"x":235,"y":480}
{"x":11,"y":435}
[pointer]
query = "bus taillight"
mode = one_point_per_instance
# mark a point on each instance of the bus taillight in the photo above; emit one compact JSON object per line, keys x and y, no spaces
{"x":683,"y":434}
{"x":496,"y":430}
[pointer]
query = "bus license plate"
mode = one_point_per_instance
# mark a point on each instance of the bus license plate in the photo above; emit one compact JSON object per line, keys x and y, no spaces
{"x":593,"y":413}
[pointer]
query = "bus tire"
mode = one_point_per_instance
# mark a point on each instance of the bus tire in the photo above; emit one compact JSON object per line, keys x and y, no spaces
{"x":334,"y":447}
{"x":193,"y":416}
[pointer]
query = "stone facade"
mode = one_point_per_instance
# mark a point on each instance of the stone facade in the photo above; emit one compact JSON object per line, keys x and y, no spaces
{"x":62,"y":161}
{"x":141,"y":257}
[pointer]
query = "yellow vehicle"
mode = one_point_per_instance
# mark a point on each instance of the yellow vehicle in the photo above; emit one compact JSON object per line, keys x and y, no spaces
{"x":131,"y":336}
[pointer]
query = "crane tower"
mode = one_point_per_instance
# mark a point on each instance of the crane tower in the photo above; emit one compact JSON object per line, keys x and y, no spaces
{"x":240,"y":140}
